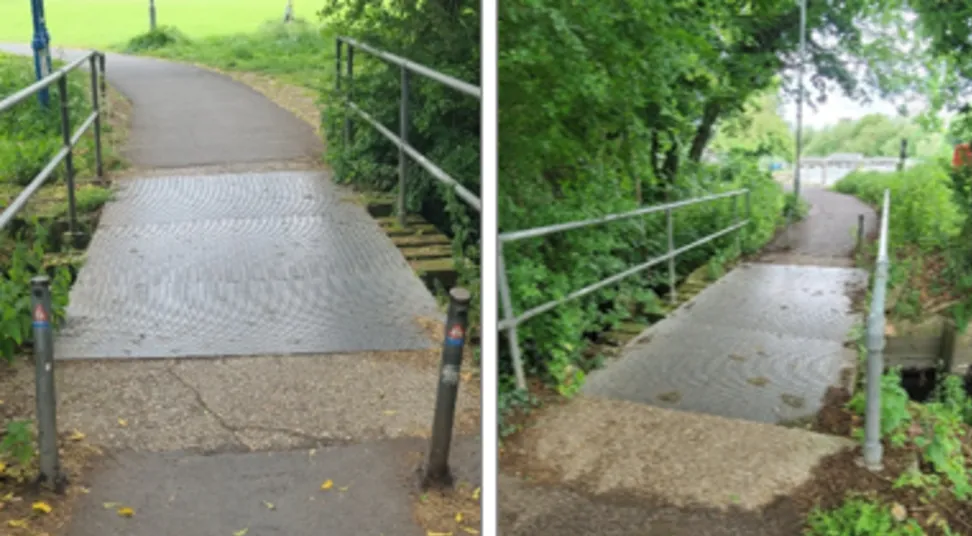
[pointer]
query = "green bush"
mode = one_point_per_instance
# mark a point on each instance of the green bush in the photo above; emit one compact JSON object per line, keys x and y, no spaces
{"x":924,"y":211}
{"x":30,"y":134}
{"x":161,"y":37}
{"x":859,"y":516}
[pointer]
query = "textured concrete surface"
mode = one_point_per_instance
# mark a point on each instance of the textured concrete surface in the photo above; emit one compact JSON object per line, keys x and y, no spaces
{"x":763,"y":343}
{"x":250,"y":403}
{"x":178,"y":494}
{"x":242,"y":264}
{"x":609,"y":447}
{"x":187,"y":116}
{"x":827,"y":236}
{"x":529,"y":509}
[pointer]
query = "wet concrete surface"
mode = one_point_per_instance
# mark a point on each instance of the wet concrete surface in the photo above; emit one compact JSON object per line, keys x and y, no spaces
{"x":827,"y":236}
{"x":763,"y":343}
{"x":188,"y":116}
{"x":242,"y":264}
{"x":262,"y":493}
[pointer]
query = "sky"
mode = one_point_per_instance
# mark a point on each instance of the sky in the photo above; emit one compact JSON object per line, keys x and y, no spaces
{"x":836,"y":108}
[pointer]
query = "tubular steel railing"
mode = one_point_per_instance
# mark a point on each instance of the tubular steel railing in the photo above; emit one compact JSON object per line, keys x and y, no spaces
{"x":401,"y":140}
{"x":873,"y":450}
{"x":511,"y":321}
{"x":96,"y":61}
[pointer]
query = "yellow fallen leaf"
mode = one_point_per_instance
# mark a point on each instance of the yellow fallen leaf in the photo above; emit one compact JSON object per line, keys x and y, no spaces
{"x":430,"y":533}
{"x":269,"y":505}
{"x":7,"y":497}
{"x":76,"y":436}
{"x":17,"y":523}
{"x":469,"y":530}
{"x":126,"y":511}
{"x":3,"y":466}
{"x":475,"y":494}
{"x":328,"y":484}
{"x":111,"y":505}
{"x":241,"y":532}
{"x":122,"y":422}
{"x":42,"y":507}
{"x":389,"y":412}
{"x":84,"y":490}
{"x":458,"y":517}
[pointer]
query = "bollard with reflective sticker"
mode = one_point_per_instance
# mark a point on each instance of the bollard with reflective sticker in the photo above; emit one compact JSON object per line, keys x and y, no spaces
{"x":50,"y":466}
{"x":437,"y":471}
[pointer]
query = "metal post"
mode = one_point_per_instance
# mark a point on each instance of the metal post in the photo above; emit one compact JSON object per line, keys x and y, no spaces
{"x":96,"y":108}
{"x":402,"y":161}
{"x":799,"y":125}
{"x":69,"y":159}
{"x":347,"y":115}
{"x":102,"y":80}
{"x":903,"y":156}
{"x":289,"y":11}
{"x":437,"y":471}
{"x":152,"y":25}
{"x":38,"y":44}
{"x":860,"y":233}
{"x":670,"y":230}
{"x":338,"y":67}
{"x":735,"y":220}
{"x":50,"y":466}
{"x":749,"y":212}
{"x":511,"y":334}
{"x":873,"y":450}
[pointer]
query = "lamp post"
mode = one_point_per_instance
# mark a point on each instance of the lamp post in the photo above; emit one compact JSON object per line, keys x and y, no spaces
{"x":40,"y":44}
{"x":799,"y":125}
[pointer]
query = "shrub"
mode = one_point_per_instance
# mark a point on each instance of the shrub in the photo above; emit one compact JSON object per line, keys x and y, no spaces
{"x":161,"y":37}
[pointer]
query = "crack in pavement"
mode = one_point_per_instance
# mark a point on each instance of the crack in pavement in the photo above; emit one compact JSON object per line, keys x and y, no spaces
{"x":235,"y":430}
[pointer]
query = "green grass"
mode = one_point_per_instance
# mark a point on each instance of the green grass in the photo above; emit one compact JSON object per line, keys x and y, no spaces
{"x":102,"y":23}
{"x":299,"y":53}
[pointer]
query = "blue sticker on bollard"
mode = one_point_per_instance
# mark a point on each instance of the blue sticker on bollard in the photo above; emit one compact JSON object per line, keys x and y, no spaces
{"x":40,"y":317}
{"x":455,"y":336}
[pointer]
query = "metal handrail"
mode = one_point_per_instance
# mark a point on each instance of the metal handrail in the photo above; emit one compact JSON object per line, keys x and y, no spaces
{"x":401,"y":140}
{"x":511,"y":321}
{"x":873,"y":450}
{"x":69,"y":139}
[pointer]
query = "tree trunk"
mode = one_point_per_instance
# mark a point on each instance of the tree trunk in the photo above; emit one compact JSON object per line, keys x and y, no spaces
{"x":704,"y":131}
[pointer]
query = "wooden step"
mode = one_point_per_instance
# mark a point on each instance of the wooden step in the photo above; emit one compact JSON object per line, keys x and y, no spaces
{"x":427,"y":252}
{"x":405,"y":241}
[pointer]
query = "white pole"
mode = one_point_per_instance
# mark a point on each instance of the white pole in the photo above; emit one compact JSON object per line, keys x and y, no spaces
{"x":799,"y":125}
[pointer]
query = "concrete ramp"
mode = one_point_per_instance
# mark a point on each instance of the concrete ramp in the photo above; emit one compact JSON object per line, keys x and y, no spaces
{"x":762,"y":344}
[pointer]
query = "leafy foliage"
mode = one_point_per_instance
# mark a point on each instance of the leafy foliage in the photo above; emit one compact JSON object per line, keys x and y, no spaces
{"x":859,"y":516}
{"x":876,"y":135}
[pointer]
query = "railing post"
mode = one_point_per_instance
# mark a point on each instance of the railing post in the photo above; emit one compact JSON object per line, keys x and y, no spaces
{"x":670,"y":231}
{"x":511,"y":334}
{"x":96,"y":108}
{"x":101,"y":76}
{"x":437,"y":471}
{"x":402,"y":160}
{"x":50,"y":466}
{"x":347,"y":115}
{"x":735,"y":221}
{"x":873,"y":449}
{"x":69,"y":159}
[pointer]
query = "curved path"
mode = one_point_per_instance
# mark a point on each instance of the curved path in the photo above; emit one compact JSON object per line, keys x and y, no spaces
{"x":765,"y":342}
{"x":215,"y":264}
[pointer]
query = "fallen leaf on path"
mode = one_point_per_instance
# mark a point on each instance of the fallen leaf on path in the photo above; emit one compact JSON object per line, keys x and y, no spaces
{"x":343,"y":489}
{"x":758,"y":381}
{"x":122,"y":422}
{"x":430,"y":533}
{"x":42,"y":507}
{"x":84,"y":490}
{"x":389,"y":412}
{"x":111,"y":505}
{"x":126,"y":512}
{"x":241,"y":532}
{"x":475,"y":494}
{"x":458,"y":517}
{"x":312,"y":452}
{"x":76,"y":436}
{"x":2,"y":466}
{"x":269,"y":505}
{"x":17,"y":523}
{"x":328,"y":484}
{"x":470,"y":530}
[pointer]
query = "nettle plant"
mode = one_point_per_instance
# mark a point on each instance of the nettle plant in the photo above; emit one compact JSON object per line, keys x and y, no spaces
{"x":25,"y":262}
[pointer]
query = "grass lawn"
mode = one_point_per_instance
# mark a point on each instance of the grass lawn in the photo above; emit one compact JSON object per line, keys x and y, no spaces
{"x":102,"y":23}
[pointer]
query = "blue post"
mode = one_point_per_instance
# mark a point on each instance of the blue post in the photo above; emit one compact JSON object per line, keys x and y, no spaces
{"x":39,"y":44}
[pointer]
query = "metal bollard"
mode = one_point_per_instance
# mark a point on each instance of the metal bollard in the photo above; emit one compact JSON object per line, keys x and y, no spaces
{"x":50,"y":466}
{"x":860,"y":233}
{"x":437,"y":471}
